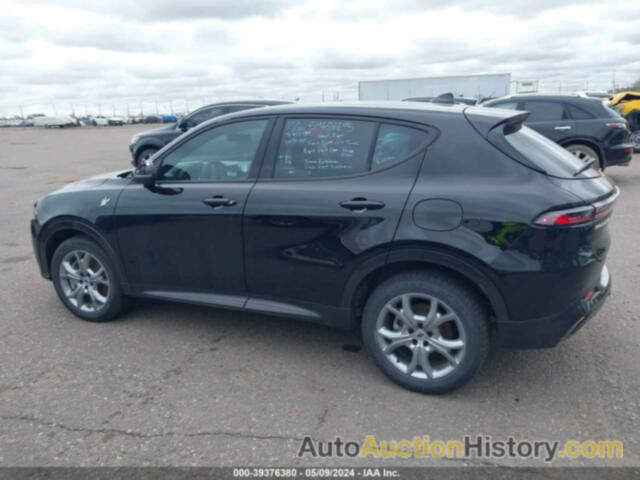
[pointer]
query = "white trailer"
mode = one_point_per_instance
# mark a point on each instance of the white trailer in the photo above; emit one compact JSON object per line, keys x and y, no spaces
{"x":471,"y":86}
{"x":50,"y":122}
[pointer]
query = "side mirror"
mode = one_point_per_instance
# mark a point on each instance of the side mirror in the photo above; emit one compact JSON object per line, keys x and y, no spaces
{"x":146,"y":175}
{"x":183,"y":125}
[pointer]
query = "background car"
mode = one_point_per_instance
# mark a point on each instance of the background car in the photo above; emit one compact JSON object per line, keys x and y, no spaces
{"x":115,"y":121}
{"x":99,"y":121}
{"x":587,"y":127}
{"x":144,"y":145}
{"x":628,"y":105}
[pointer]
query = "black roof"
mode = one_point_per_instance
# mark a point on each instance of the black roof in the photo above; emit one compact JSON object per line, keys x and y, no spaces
{"x":416,"y":112}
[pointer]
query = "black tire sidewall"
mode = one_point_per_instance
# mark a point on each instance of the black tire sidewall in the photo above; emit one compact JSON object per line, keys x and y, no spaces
{"x":115,"y":302}
{"x":469,"y":310}
{"x":146,"y":150}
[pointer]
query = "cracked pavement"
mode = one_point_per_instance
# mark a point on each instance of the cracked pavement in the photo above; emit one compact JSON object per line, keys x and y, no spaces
{"x":171,"y":384}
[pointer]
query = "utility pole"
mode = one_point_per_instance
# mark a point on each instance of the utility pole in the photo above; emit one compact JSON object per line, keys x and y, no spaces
{"x":21,"y":112}
{"x":613,"y":81}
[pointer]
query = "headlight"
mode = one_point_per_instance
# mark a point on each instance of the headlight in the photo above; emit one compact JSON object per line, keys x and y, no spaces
{"x":135,"y":139}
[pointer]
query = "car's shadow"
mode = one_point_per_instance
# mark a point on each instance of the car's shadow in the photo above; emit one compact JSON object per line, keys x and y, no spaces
{"x":506,"y":372}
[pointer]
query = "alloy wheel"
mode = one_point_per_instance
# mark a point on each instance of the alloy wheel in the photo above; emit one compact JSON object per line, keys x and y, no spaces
{"x":583,"y":155}
{"x":421,"y":336}
{"x":84,"y":281}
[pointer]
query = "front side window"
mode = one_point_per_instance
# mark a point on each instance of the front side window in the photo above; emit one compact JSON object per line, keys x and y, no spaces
{"x":202,"y":116}
{"x":540,"y":111}
{"x":320,"y":147}
{"x":224,"y":153}
{"x":395,"y":143}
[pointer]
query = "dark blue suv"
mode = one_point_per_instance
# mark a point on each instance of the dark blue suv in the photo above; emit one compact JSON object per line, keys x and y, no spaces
{"x":586,"y":127}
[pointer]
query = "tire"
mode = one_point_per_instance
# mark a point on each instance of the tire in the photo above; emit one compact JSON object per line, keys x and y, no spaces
{"x":101,"y":299}
{"x":145,"y":154}
{"x":584,"y":153}
{"x":469,"y":324}
{"x":635,"y":138}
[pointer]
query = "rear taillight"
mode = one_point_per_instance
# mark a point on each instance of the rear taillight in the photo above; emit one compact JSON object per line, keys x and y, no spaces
{"x":572,"y":216}
{"x":577,"y":216}
{"x":620,"y":125}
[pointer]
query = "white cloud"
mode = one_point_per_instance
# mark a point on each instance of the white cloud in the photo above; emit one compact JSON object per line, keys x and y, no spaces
{"x":116,"y":52}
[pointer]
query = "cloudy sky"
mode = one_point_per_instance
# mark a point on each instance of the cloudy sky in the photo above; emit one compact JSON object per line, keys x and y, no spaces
{"x":55,"y":54}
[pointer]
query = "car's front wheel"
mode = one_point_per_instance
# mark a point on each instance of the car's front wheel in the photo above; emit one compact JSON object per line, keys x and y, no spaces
{"x":426,"y":331}
{"x":86,"y":281}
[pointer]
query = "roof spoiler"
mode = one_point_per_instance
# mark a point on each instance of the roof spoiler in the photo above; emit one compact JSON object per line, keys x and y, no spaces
{"x":484,"y":120}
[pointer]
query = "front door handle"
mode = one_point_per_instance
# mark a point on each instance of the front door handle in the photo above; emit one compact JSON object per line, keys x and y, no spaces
{"x":219,"y":201}
{"x":361,"y":204}
{"x":562,"y":127}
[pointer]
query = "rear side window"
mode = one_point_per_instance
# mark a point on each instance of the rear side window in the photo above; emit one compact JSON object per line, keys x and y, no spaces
{"x":395,"y":143}
{"x":323,"y":148}
{"x":578,"y":113}
{"x":547,"y":155}
{"x":540,"y":111}
{"x":203,"y":115}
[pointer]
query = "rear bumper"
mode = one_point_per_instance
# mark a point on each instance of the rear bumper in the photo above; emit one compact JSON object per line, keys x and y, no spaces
{"x":549,"y":331}
{"x":618,"y":155}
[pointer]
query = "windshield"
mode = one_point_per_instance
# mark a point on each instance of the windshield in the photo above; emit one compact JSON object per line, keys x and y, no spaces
{"x":547,"y":155}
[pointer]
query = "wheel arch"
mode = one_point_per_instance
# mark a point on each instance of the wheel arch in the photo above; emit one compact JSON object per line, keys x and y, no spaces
{"x":60,"y":229}
{"x":146,"y":144}
{"x":459,"y":265}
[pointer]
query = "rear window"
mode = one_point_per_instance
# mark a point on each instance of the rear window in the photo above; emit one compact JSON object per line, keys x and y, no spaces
{"x":542,"y":111}
{"x":547,"y":155}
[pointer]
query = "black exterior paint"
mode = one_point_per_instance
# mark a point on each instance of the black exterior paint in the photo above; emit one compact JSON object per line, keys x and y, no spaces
{"x":288,"y":247}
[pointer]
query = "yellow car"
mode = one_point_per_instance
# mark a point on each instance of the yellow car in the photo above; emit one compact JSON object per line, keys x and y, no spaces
{"x":627,"y":104}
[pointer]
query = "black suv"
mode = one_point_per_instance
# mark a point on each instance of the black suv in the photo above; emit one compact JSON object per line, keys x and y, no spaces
{"x":426,"y":227}
{"x":592,"y":131}
{"x":144,"y":145}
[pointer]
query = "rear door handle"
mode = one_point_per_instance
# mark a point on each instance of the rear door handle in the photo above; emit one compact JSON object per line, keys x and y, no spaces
{"x":562,"y":127}
{"x":361,"y":204}
{"x":219,"y":201}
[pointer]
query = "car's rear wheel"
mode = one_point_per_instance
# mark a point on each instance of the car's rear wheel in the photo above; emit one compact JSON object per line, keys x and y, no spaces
{"x":635,"y":138}
{"x":145,"y":155}
{"x":426,"y":331}
{"x":585,"y":154}
{"x":86,"y":281}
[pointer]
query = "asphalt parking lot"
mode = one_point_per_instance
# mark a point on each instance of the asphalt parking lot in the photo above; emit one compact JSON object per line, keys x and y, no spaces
{"x":171,"y":384}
